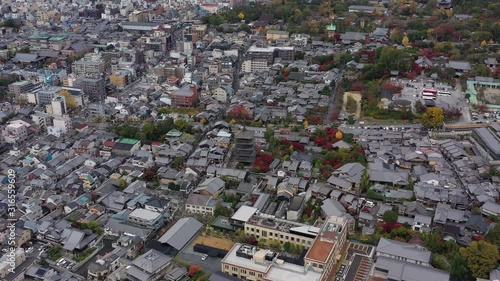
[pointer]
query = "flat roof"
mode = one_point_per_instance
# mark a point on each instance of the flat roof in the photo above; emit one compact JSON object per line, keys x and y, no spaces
{"x":144,"y":214}
{"x":489,"y":139}
{"x":21,"y":83}
{"x":231,"y":258}
{"x":244,"y":213}
{"x":292,"y":272}
{"x":129,"y":141}
{"x":320,"y":250}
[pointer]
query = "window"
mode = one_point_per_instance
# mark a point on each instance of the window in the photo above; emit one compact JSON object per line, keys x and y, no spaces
{"x":292,"y":238}
{"x":260,"y":275}
{"x":320,"y":266}
{"x":243,"y":271}
{"x":251,"y":273}
{"x":264,"y":233}
{"x":234,"y":269}
{"x":226,"y":266}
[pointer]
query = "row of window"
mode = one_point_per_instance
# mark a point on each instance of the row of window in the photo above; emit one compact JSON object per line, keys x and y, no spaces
{"x":265,"y":233}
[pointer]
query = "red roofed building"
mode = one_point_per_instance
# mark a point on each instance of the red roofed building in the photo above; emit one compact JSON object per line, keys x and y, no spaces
{"x":187,"y":96}
{"x":107,"y":146}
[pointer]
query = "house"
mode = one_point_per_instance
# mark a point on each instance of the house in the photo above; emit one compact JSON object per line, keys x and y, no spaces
{"x":150,"y":266}
{"x":421,"y":223}
{"x":296,"y":208}
{"x":199,"y":203}
{"x":157,"y":204}
{"x":210,"y":187}
{"x":490,"y":209}
{"x":459,"y":66}
{"x":491,"y":63}
{"x":351,"y":172}
{"x":402,"y":251}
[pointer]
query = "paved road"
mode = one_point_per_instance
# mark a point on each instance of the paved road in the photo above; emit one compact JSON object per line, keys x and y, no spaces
{"x":331,"y":102}
{"x":210,"y":265}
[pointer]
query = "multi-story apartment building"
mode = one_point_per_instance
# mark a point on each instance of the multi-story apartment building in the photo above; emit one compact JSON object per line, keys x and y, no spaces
{"x":42,"y":120}
{"x":91,"y":65}
{"x":18,"y":257}
{"x":15,"y":133}
{"x":45,"y":95}
{"x":263,"y":226}
{"x":20,"y":87}
{"x":146,"y":218}
{"x":59,"y":106}
{"x":327,"y":248}
{"x":259,"y":58}
{"x":186,"y":96}
{"x":94,"y":88}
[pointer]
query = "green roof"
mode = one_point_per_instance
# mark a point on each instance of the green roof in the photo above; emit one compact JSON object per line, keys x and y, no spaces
{"x":57,"y":38}
{"x":331,"y":27}
{"x":129,"y":141}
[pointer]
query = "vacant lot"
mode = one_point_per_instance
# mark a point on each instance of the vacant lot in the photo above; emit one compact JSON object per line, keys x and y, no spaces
{"x":357,"y":96}
{"x":214,"y":242}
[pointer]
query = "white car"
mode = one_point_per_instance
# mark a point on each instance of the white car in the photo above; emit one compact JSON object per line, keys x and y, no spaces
{"x":204,"y":257}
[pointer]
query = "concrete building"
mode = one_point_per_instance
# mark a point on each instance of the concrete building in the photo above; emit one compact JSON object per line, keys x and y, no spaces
{"x":146,"y":218}
{"x":277,"y":34}
{"x":91,"y":65}
{"x":268,"y":227}
{"x":42,"y":120}
{"x":21,"y":87}
{"x":119,"y":78}
{"x":15,"y":133}
{"x":45,"y":95}
{"x":61,"y":126}
{"x":96,"y":109}
{"x":327,"y":248}
{"x":59,"y":106}
{"x":248,"y":262}
{"x":18,"y":257}
{"x":94,"y":88}
{"x":186,"y":96}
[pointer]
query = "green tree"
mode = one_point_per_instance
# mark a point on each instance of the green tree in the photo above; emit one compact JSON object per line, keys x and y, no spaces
{"x":390,"y":216}
{"x":493,"y":236}
{"x":459,"y":269}
{"x":433,"y":117}
{"x":287,"y":246}
{"x":173,"y":186}
{"x":364,"y":185}
{"x":433,"y":241}
{"x":482,"y":257}
{"x":351,"y":104}
{"x":178,"y":162}
{"x":182,"y":125}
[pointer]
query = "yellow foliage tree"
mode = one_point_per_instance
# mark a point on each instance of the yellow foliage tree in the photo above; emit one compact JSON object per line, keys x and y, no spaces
{"x":483,"y":43}
{"x":233,"y":121}
{"x":433,"y":117}
{"x":241,"y":16}
{"x":306,"y":124}
{"x":339,"y":135}
{"x":406,"y":41}
{"x":70,"y":101}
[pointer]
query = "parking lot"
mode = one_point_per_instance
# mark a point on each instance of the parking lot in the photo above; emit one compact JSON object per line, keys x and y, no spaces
{"x":210,"y":265}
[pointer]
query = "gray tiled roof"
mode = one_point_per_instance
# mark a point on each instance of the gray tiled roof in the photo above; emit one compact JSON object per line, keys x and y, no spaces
{"x":405,"y":250}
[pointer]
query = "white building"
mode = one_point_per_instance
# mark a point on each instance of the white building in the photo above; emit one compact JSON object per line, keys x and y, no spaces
{"x":59,"y":106}
{"x":15,"y":133}
{"x":61,"y":126}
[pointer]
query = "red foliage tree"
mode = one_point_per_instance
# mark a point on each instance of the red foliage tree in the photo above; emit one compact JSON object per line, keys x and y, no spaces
{"x":240,"y":112}
{"x":357,"y":86}
{"x":193,"y":269}
{"x":444,"y":31}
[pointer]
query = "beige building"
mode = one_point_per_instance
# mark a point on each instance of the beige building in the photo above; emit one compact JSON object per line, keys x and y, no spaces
{"x":200,"y":204}
{"x":119,"y":78}
{"x":327,"y":248}
{"x":8,"y":262}
{"x":277,"y":34}
{"x":270,"y":228}
{"x":249,"y":262}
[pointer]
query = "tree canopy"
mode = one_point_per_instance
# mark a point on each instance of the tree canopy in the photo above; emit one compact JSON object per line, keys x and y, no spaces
{"x":390,"y":216}
{"x":433,"y":117}
{"x":482,"y":257}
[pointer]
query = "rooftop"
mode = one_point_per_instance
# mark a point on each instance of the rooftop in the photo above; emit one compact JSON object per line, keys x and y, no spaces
{"x":284,"y":225}
{"x":144,"y":214}
{"x":242,"y":255}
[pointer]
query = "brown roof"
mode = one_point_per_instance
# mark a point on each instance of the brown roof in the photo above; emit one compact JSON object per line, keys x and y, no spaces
{"x":109,"y":143}
{"x":320,"y":250}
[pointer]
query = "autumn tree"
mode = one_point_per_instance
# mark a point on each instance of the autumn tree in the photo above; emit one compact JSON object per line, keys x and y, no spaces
{"x":193,"y":269}
{"x":405,"y":41}
{"x":70,"y":101}
{"x":365,"y":182}
{"x":240,"y":113}
{"x":433,"y":117}
{"x":338,"y":135}
{"x":482,"y":257}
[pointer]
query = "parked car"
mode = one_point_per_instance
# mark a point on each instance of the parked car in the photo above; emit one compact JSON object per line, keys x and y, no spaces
{"x":204,"y":257}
